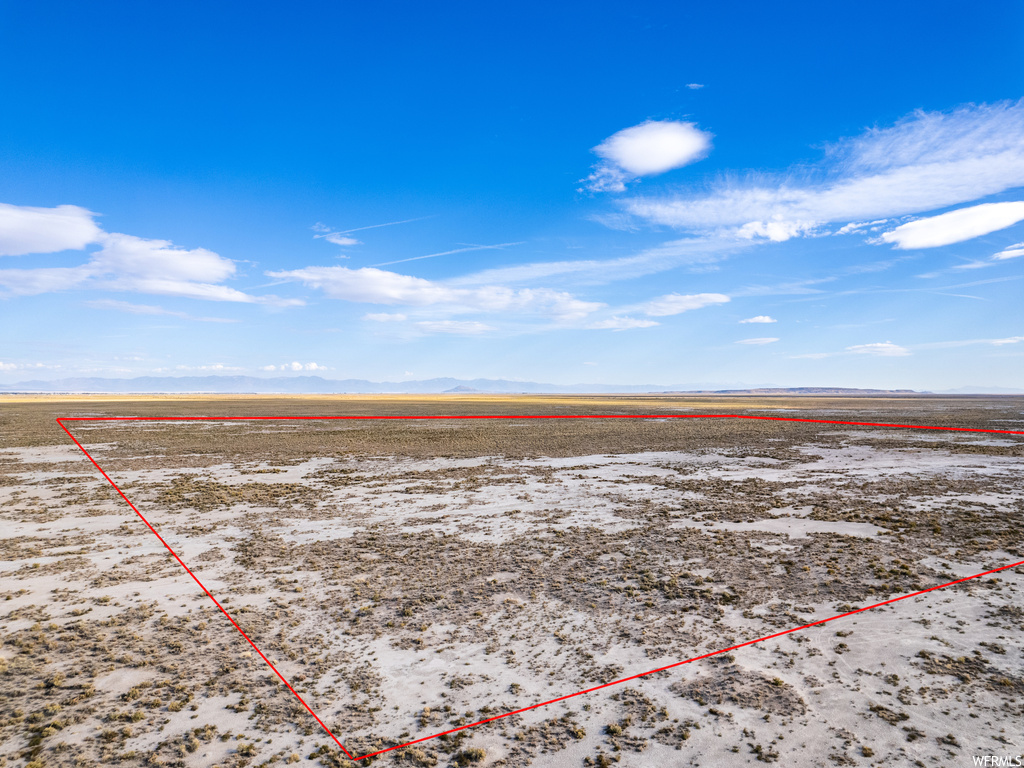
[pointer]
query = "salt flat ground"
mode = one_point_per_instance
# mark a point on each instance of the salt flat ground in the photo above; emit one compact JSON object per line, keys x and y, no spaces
{"x":411,"y":577}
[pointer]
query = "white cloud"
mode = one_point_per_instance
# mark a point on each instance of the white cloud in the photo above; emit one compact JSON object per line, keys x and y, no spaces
{"x":45,"y":230}
{"x":879,"y":349}
{"x":123,"y":263}
{"x":762,"y":340}
{"x":127,"y":255}
{"x":927,"y":161}
{"x":25,"y":366}
{"x":384,"y":317}
{"x":1012,"y":252}
{"x":190,"y":290}
{"x":956,"y":226}
{"x":650,"y":148}
{"x":675,"y":303}
{"x":377,"y":286}
{"x":695,"y":86}
{"x":860,"y":226}
{"x":460,"y":327}
{"x":616,"y":323}
{"x":295,"y":366}
{"x":777,"y":230}
{"x":1010,"y":340}
{"x":760,"y":319}
{"x":369,"y":285}
{"x":215,"y":367}
{"x":338,"y":238}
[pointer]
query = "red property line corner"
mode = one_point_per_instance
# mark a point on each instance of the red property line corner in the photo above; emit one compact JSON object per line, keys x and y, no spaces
{"x":302,"y":701}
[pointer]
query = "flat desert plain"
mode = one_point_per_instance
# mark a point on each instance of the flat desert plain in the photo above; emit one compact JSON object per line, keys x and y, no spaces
{"x":411,"y":577}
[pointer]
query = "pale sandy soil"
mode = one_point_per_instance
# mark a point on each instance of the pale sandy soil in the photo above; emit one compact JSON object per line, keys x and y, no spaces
{"x":404,"y":594}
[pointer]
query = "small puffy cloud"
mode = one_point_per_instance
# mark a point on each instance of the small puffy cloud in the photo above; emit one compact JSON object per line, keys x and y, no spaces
{"x":384,"y":317}
{"x":777,"y":230}
{"x":760,"y":319}
{"x":647,"y":149}
{"x":458,"y":327}
{"x":46,"y":230}
{"x":1013,"y":252}
{"x":295,"y":366}
{"x":762,"y":340}
{"x":879,"y":349}
{"x":695,"y":86}
{"x":218,"y":367}
{"x":331,"y":236}
{"x":956,"y":226}
{"x":25,"y":366}
{"x":676,"y":303}
{"x":339,"y":239}
{"x":616,"y":323}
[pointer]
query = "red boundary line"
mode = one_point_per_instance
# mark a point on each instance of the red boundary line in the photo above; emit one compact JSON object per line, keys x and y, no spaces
{"x":62,"y":419}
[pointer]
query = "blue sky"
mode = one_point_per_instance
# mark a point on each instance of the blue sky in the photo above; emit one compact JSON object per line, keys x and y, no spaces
{"x":609,"y":193}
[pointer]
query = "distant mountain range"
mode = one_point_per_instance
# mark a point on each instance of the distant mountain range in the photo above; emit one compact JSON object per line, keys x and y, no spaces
{"x":315,"y":385}
{"x":320,"y":385}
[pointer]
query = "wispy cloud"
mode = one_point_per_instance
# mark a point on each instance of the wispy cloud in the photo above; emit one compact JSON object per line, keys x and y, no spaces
{"x":676,"y":303}
{"x":879,"y":349}
{"x":874,"y":349}
{"x":927,"y":161}
{"x":150,"y":309}
{"x":647,"y":149}
{"x":496,"y":247}
{"x":972,"y":342}
{"x":759,"y":319}
{"x":458,"y":327}
{"x":691,"y":251}
{"x":758,"y":341}
{"x":617,"y":323}
{"x":343,"y":236}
